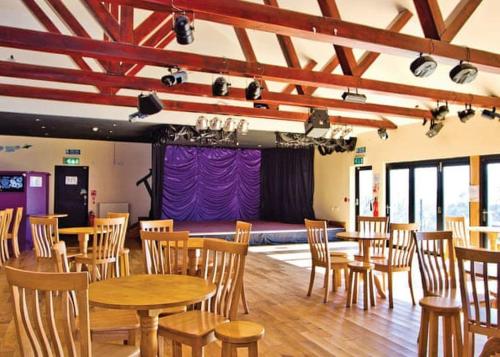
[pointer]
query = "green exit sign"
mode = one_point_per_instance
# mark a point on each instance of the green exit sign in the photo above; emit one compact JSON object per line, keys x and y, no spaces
{"x":358,"y":160}
{"x":71,"y":160}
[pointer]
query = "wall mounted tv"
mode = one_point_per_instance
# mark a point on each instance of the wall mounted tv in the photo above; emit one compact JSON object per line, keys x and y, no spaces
{"x":11,"y":183}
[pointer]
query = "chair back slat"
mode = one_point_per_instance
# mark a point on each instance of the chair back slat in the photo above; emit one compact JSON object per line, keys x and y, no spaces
{"x":17,"y":221}
{"x":401,"y":245}
{"x":45,"y":233}
{"x":460,"y":232}
{"x":160,"y":225}
{"x":374,"y":225}
{"x":317,"y":237}
{"x":61,"y":264}
{"x":476,"y":267}
{"x":123,"y":233}
{"x":437,"y":267}
{"x":44,"y":334}
{"x":3,"y":257}
{"x":242,"y":234}
{"x":165,"y":252}
{"x":4,"y":231}
{"x":224,"y":265}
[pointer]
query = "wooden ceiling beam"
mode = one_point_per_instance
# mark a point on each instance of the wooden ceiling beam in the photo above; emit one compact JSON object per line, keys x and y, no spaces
{"x":49,"y":42}
{"x":308,"y":67}
{"x":458,"y":17}
{"x":108,"y":23}
{"x":292,"y":23}
{"x":71,"y":76}
{"x":177,"y":106}
{"x":430,"y":18}
{"x":345,"y":55}
{"x":146,"y":27}
{"x":127,"y":24}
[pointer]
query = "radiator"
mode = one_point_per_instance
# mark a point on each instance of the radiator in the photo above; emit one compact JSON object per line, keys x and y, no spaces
{"x":105,"y":207}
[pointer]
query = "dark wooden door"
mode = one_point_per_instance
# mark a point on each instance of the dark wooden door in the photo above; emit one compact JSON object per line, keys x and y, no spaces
{"x":71,"y":188}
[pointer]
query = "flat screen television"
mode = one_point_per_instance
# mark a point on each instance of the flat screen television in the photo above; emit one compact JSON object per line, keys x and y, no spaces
{"x":11,"y":183}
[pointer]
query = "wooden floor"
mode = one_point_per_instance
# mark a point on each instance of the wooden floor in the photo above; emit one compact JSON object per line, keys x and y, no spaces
{"x":276,"y":278}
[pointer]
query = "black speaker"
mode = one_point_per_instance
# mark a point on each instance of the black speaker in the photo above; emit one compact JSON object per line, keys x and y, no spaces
{"x":318,"y":123}
{"x":149,"y":104}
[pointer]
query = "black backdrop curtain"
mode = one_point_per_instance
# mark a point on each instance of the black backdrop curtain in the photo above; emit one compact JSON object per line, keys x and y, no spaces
{"x":287,"y":185}
{"x":158,"y":158}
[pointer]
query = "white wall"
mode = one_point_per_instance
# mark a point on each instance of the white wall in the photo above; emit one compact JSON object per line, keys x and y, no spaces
{"x":114,"y":167}
{"x":334,"y":178}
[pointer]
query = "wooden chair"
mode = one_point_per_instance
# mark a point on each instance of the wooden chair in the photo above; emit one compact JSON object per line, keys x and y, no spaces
{"x":123,"y":262}
{"x":223,"y":265}
{"x":165,"y":252}
{"x":48,"y":331}
{"x":105,"y":324}
{"x":3,"y":218}
{"x":491,"y":348}
{"x":373,"y":225}
{"x":460,"y":232}
{"x":400,"y":258}
{"x":105,"y":249}
{"x":242,"y":235}
{"x":4,"y":234}
{"x":160,"y":225}
{"x":364,"y":269}
{"x":437,"y":271}
{"x":13,"y":235}
{"x":239,"y":334}
{"x":317,"y":238}
{"x":45,"y":234}
{"x":475,"y":268}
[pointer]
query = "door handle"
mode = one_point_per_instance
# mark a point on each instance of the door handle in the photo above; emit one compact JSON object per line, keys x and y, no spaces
{"x":484,"y":214}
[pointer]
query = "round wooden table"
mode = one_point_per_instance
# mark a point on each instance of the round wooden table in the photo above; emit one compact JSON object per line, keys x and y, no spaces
{"x":149,"y":294}
{"x":50,"y":215}
{"x":366,"y":238}
{"x":194,"y":245}
{"x":83,"y":235}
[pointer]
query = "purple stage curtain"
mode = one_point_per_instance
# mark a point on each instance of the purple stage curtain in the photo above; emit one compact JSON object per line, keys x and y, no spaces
{"x":211,"y":183}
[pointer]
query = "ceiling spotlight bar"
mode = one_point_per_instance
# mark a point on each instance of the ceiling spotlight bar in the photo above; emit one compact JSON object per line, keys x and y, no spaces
{"x":466,"y":114}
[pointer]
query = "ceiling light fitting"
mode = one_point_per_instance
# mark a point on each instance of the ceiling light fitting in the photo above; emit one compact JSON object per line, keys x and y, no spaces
{"x":382,"y":133}
{"x":220,"y":87}
{"x":183,"y":28}
{"x":175,"y":77}
{"x":147,"y":104}
{"x":439,"y":113}
{"x":435,"y":128}
{"x":423,"y":66}
{"x":490,"y":114}
{"x":353,"y":97}
{"x":463,"y":73}
{"x":466,"y":114}
{"x":254,"y":90}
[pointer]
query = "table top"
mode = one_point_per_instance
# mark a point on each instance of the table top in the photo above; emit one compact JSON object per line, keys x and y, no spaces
{"x":52,"y":215}
{"x":484,"y":229}
{"x":363,"y":236}
{"x":76,"y":230}
{"x":197,"y":243}
{"x":148,"y":292}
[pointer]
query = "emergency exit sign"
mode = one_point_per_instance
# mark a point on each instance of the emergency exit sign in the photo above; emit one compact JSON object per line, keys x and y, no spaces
{"x":71,"y":160}
{"x":358,"y":160}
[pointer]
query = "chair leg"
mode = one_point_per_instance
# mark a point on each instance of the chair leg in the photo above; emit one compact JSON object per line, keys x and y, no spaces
{"x":410,"y":284}
{"x":253,"y":350}
{"x":176,"y":349}
{"x":349,"y":284}
{"x":197,"y":351}
{"x":457,"y":332}
{"x":132,"y":337}
{"x":355,"y":289}
{"x":226,"y":349}
{"x":311,"y":280}
{"x":384,"y":281}
{"x":372,"y":288}
{"x":424,"y":333}
{"x":447,"y":336}
{"x":433,"y":334}
{"x":327,"y":281}
{"x":334,"y":280}
{"x":365,"y":290}
{"x":346,"y":277}
{"x":244,"y":299}
{"x":161,"y":346}
{"x":391,"y":301}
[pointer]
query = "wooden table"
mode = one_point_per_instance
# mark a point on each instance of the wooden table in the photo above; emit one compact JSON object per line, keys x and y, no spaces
{"x":493,"y":235}
{"x":50,"y":215}
{"x":83,"y":235}
{"x":194,"y":245}
{"x":366,"y":238}
{"x":149,"y":294}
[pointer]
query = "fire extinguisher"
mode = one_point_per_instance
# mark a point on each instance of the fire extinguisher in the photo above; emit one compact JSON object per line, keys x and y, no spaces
{"x":91,"y":218}
{"x":375,"y":207}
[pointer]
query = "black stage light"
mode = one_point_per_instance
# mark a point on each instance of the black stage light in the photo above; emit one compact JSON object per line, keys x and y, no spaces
{"x":466,"y":114}
{"x":174,"y":78}
{"x":318,"y":123}
{"x":220,"y":87}
{"x":423,"y":66}
{"x":183,"y":30}
{"x":382,"y":133}
{"x":435,"y":128}
{"x":440,"y":112}
{"x":463,"y":73}
{"x":147,"y":104}
{"x":490,"y":114}
{"x":253,"y":91}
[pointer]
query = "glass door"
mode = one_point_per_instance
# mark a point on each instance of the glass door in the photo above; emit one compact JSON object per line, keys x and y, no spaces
{"x":426,"y":192}
{"x":456,"y":191}
{"x":398,"y":207}
{"x":490,"y":202}
{"x":364,"y":191}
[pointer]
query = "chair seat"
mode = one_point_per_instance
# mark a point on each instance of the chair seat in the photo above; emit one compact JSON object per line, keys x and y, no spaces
{"x":112,"y":350}
{"x":335,"y":260}
{"x":441,"y":304}
{"x":102,"y":320}
{"x":88,"y":258}
{"x":172,"y":310}
{"x":337,"y":253}
{"x":357,"y":265}
{"x":191,"y":323}
{"x":373,"y":258}
{"x":383,"y":265}
{"x":239,"y":332}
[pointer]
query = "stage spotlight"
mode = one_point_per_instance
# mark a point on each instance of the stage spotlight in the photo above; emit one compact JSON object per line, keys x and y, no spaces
{"x":346,"y":133}
{"x":423,"y":66}
{"x":220,"y":87}
{"x":337,"y":133}
{"x":229,"y":125}
{"x":382,"y":133}
{"x":490,"y":114}
{"x":439,"y":113}
{"x":174,"y":78}
{"x":253,"y":91}
{"x":147,"y":104}
{"x":215,"y":124}
{"x":183,"y":30}
{"x":463,"y":73}
{"x":353,"y":97}
{"x":435,"y":128}
{"x":243,"y":127}
{"x":466,"y":114}
{"x":201,"y":123}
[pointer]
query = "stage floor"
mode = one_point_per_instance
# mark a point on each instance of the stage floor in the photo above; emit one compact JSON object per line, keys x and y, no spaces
{"x":263,"y":232}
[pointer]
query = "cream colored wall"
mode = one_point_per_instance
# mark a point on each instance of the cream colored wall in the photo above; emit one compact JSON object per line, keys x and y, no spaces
{"x":334,"y":174}
{"x":114,"y":167}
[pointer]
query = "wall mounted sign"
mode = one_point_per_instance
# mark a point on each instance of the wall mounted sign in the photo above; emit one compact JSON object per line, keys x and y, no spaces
{"x":71,"y":160}
{"x":72,"y":151}
{"x":361,"y":150}
{"x":71,"y":180}
{"x":36,"y":181}
{"x":359,"y":160}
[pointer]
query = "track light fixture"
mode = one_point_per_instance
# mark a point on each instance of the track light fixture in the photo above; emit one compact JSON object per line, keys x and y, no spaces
{"x":423,"y":66}
{"x":466,"y":114}
{"x":435,"y":128}
{"x":215,"y":124}
{"x":463,"y":73}
{"x":382,"y":133}
{"x":353,"y":97}
{"x":147,"y":104}
{"x":220,"y":87}
{"x":201,"y":123}
{"x":243,"y":127}
{"x":254,"y":90}
{"x":490,"y":114}
{"x":175,"y":77}
{"x":439,"y":113}
{"x":183,"y":28}
{"x":229,"y":125}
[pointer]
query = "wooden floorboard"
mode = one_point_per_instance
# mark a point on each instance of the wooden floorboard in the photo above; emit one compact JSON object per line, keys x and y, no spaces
{"x":276,"y":279}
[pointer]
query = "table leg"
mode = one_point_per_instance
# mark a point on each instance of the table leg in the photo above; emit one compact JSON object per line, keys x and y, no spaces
{"x":83,"y":242}
{"x":149,"y":331}
{"x":366,"y":259}
{"x":192,"y":262}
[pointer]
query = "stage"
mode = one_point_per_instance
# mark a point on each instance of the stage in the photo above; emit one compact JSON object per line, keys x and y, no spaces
{"x":263,"y":232}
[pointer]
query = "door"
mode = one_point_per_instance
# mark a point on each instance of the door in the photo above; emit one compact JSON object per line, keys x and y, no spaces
{"x":490,"y":186}
{"x":71,"y":195}
{"x":364,"y":191}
